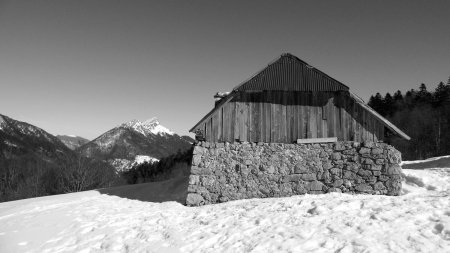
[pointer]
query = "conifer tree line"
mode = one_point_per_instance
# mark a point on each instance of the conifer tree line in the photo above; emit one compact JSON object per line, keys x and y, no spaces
{"x":423,"y":115}
{"x":164,"y":169}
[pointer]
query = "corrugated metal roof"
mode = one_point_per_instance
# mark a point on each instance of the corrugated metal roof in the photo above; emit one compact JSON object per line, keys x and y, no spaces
{"x":290,"y":73}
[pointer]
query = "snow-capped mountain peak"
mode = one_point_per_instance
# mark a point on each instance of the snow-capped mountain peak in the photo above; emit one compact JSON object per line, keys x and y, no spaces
{"x":151,"y":122}
{"x":149,"y":126}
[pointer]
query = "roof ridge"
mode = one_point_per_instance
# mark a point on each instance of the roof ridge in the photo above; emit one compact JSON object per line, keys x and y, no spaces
{"x":276,"y":71}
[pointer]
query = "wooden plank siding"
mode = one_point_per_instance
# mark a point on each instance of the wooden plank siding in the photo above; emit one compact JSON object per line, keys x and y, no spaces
{"x":285,"y":116}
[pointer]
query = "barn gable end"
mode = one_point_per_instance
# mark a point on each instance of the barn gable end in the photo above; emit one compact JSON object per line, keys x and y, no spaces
{"x":290,"y":100}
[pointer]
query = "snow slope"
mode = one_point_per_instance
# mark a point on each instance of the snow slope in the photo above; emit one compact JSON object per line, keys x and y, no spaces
{"x":417,"y":221}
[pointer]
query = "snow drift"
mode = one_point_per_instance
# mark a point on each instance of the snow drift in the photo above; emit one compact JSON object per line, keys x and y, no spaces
{"x":416,"y":221}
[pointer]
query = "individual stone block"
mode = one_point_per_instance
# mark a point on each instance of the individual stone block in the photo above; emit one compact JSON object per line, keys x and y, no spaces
{"x":394,"y":186}
{"x":294,"y":177}
{"x":336,"y":171}
{"x":383,"y":178}
{"x":207,"y":181}
{"x":334,"y":190}
{"x":366,"y":166}
{"x":359,"y":180}
{"x":364,"y":151}
{"x":299,"y":169}
{"x":379,"y":161}
{"x":326,"y":177}
{"x":377,"y":151}
{"x":349,"y":152}
{"x":338,"y":183}
{"x":379,"y":186}
{"x":271,"y":169}
{"x":364,"y":173}
{"x":194,"y":199}
{"x":363,"y":188}
{"x":196,"y":159}
{"x":194,"y":179}
{"x":195,"y":170}
{"x":394,"y":157}
{"x":376,"y":167}
{"x":309,"y":177}
{"x":264,"y":190}
{"x":286,"y":189}
{"x":273,"y":178}
{"x":197,"y":150}
{"x":323,"y":154}
{"x":368,"y":144}
{"x":336,"y":156}
{"x":371,"y":180}
{"x":352,"y":167}
{"x":367,"y":161}
{"x":376,"y":173}
{"x":349,"y":175}
{"x":326,"y":165}
{"x":339,"y":146}
{"x":394,"y":169}
{"x":315,"y":186}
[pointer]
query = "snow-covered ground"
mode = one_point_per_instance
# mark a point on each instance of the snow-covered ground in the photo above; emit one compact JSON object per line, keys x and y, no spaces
{"x":424,"y":161}
{"x":417,"y":221}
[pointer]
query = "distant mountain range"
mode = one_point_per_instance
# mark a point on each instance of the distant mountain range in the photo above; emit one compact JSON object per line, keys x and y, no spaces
{"x":26,"y":143}
{"x":71,"y":141}
{"x":124,"y":144}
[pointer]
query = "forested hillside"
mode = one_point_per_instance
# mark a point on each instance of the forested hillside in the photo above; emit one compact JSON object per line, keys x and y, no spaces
{"x":35,"y":163}
{"x":422,"y":114}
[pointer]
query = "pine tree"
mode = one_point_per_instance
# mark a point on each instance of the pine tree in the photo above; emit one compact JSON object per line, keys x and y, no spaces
{"x":441,"y":94}
{"x":398,"y":96}
{"x":398,"y":102}
{"x":409,"y":98}
{"x":376,"y":102}
{"x":423,"y":96}
{"x":388,"y":104}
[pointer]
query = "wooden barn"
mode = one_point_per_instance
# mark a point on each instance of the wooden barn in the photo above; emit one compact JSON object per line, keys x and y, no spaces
{"x":290,"y":101}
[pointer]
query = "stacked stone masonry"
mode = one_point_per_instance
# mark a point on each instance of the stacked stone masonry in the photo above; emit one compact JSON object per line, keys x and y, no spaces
{"x":222,"y":172}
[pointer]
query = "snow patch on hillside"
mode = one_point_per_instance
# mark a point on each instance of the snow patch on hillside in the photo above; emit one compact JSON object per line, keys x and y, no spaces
{"x":125,"y":164}
{"x":140,"y":159}
{"x":10,"y":144}
{"x":416,"y":221}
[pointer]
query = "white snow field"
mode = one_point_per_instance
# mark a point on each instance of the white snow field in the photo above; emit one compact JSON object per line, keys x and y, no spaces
{"x":417,"y":221}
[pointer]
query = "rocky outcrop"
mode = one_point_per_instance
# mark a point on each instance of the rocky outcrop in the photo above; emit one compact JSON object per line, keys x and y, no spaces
{"x":222,"y":172}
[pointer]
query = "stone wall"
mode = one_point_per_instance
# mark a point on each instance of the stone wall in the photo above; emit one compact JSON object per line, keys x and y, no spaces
{"x":222,"y":172}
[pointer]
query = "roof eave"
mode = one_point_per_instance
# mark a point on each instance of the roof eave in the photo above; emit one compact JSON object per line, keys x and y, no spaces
{"x":222,"y":102}
{"x":386,"y":122}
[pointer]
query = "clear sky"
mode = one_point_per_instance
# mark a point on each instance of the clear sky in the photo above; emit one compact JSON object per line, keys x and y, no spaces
{"x":82,"y":67}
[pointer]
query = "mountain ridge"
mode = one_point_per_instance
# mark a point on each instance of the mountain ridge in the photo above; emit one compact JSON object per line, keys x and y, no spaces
{"x":72,"y":141}
{"x":18,"y":138}
{"x":135,"y":138}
